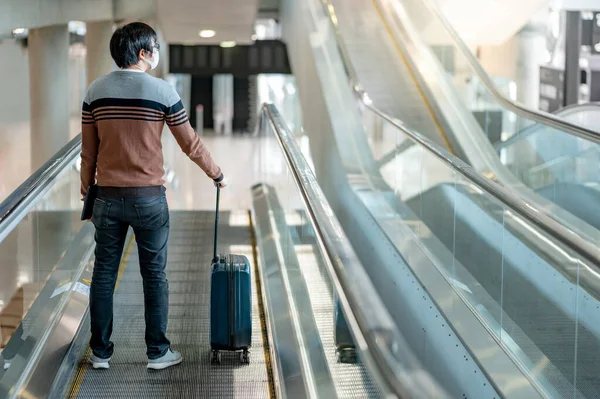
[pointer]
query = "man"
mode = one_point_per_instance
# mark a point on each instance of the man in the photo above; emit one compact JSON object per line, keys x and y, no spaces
{"x":123,"y":116}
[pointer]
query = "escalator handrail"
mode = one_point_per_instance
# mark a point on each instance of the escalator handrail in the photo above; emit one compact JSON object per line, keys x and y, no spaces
{"x":365,"y":313}
{"x":569,"y":109}
{"x":528,"y":210}
{"x":542,"y":117}
{"x":40,"y":179}
{"x":523,"y":208}
{"x":529,"y":130}
{"x":519,"y":109}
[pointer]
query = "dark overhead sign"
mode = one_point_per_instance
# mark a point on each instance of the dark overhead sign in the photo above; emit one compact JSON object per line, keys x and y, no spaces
{"x":266,"y":56}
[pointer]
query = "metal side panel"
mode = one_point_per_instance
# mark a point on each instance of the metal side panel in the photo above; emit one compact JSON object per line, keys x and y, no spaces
{"x":188,"y":272}
{"x":534,"y":295}
{"x":287,"y":369}
{"x":351,"y":380}
{"x":51,"y":323}
{"x":478,"y":363}
{"x":444,"y":356}
{"x":46,"y":331}
{"x":285,"y":285}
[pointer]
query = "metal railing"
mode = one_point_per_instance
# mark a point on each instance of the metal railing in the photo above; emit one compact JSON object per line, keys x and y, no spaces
{"x":530,"y":130}
{"x":519,"y":109}
{"x":527,"y":210}
{"x":383,"y":349}
{"x":18,"y":203}
{"x":49,"y":320}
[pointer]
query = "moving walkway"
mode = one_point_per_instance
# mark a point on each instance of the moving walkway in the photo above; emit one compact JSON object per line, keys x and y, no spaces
{"x":301,"y":263}
{"x":458,"y":277}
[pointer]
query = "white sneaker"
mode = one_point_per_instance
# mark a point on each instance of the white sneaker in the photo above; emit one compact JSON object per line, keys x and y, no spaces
{"x":171,"y":358}
{"x":98,"y":363}
{"x":4,"y":361}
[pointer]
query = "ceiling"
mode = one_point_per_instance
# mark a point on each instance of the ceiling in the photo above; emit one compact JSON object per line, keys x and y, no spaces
{"x":490,"y":21}
{"x":482,"y":22}
{"x":181,"y":20}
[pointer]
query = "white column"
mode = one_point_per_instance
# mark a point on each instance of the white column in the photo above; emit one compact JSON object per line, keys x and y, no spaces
{"x":162,"y":70}
{"x":49,"y":96}
{"x":98,"y":60}
{"x":531,"y":54}
{"x":48,"y":91}
{"x":223,"y":103}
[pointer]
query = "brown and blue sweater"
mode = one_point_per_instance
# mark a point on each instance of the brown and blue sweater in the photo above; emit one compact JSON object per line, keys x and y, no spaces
{"x":123,"y":116}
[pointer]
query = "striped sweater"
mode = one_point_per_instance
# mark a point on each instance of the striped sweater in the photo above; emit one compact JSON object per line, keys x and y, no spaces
{"x":123,"y":116}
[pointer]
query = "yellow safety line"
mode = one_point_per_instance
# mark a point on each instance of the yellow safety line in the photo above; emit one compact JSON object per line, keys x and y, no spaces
{"x":414,"y":78}
{"x":82,"y":369}
{"x":261,"y":312}
{"x":78,"y":381}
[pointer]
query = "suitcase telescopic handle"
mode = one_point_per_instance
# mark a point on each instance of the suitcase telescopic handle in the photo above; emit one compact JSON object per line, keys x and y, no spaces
{"x":216,"y":223}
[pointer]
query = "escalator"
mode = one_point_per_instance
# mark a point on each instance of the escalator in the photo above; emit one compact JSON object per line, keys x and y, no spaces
{"x":460,"y":243}
{"x":545,"y":159}
{"x":457,"y":277}
{"x":303,"y":271}
{"x":557,"y":162}
{"x":504,"y":262}
{"x":441,"y":92}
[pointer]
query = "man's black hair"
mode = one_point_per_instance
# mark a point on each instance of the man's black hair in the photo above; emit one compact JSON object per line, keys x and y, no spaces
{"x":127,"y":41}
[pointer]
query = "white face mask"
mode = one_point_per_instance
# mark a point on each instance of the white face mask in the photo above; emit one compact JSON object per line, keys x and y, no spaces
{"x":154,"y":61}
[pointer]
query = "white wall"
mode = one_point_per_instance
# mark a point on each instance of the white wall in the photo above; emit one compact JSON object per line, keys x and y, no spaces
{"x":518,"y":59}
{"x":38,"y":13}
{"x":14,"y":116}
{"x":15,"y":143}
{"x":14,"y":83}
{"x":481,"y":22}
{"x":577,"y":4}
{"x":137,"y":9}
{"x":14,"y":79}
{"x":500,"y":60}
{"x":77,"y":79}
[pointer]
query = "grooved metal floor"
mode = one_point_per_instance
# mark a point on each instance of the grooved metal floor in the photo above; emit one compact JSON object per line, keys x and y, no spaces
{"x":188,"y":271}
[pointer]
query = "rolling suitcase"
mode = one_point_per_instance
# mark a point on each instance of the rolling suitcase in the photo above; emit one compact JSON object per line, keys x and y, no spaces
{"x":230,"y":302}
{"x":344,"y":344}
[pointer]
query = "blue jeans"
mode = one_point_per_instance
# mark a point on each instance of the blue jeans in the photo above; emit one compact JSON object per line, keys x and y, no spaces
{"x":149,"y":218}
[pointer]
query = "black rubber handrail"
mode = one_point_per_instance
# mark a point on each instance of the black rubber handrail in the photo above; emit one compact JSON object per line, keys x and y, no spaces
{"x":39,"y":178}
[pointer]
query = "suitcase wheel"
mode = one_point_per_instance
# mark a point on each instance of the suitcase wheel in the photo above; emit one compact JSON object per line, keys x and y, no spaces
{"x":346,"y":355}
{"x":215,"y":357}
{"x":245,"y":356}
